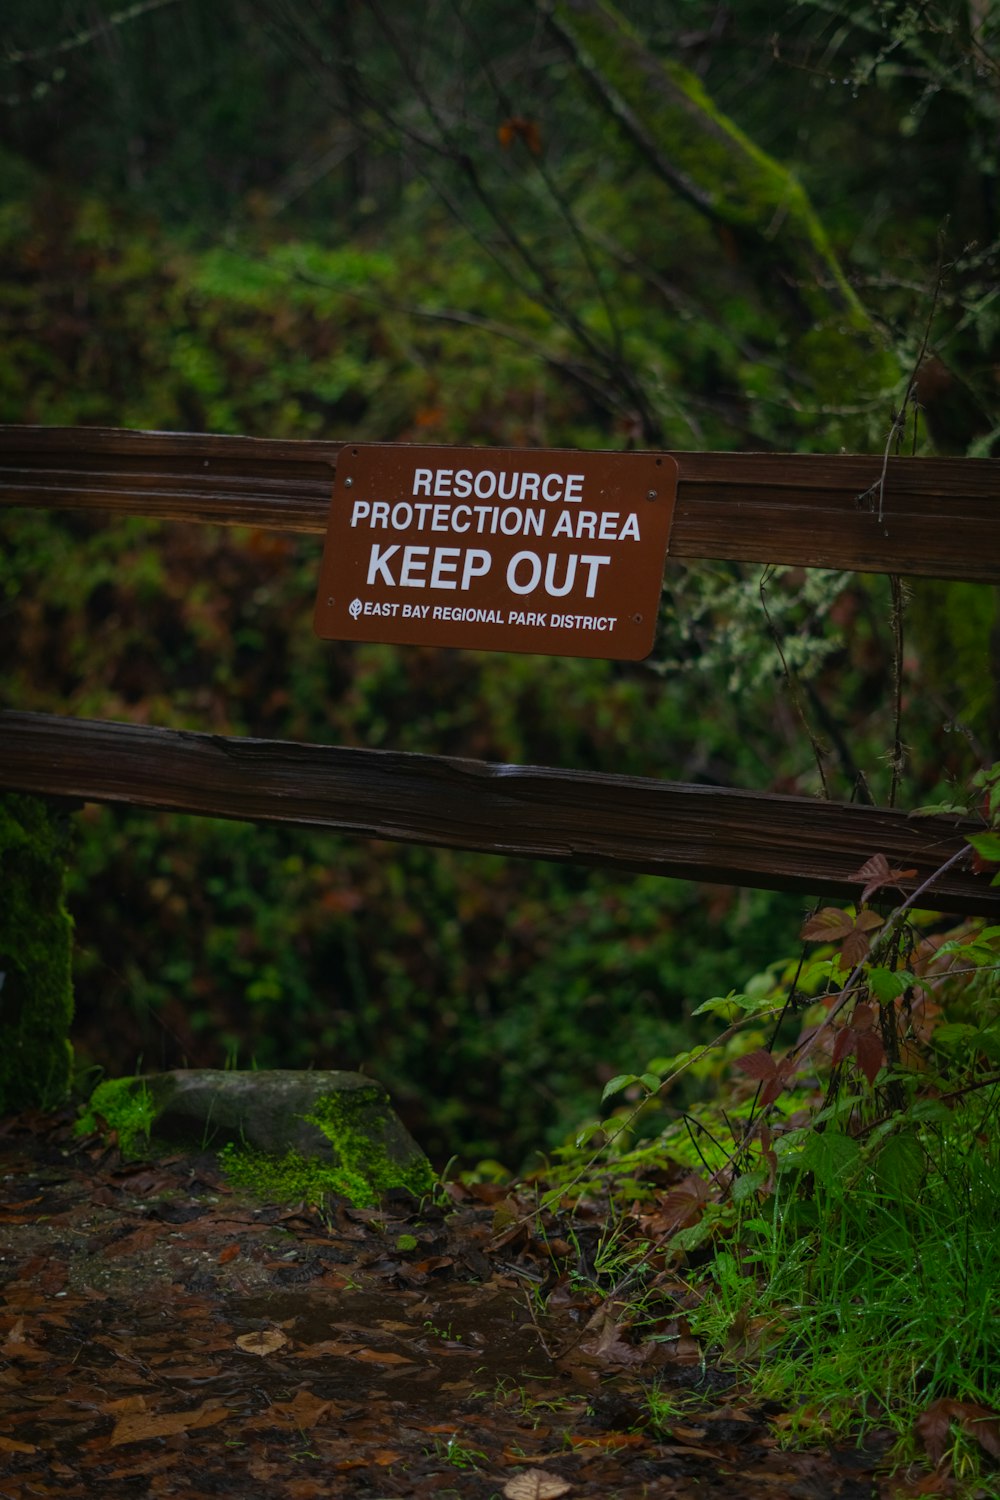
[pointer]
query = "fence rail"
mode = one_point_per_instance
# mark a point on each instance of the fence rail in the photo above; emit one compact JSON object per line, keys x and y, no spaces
{"x":627,"y":823}
{"x":932,"y":517}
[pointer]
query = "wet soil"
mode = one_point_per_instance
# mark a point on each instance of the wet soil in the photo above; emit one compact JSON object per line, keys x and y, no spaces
{"x":162,"y":1337}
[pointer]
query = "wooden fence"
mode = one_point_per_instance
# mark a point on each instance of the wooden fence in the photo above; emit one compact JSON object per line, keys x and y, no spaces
{"x":931,"y":517}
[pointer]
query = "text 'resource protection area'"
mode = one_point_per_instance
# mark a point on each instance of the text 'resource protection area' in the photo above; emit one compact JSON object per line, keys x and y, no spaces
{"x":551,"y":551}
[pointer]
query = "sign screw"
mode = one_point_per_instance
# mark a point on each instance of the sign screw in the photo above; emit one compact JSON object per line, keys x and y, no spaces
{"x":347,"y":483}
{"x":637,"y":619}
{"x":650,"y":494}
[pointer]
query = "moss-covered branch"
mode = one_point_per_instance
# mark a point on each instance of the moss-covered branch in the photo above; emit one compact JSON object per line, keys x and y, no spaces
{"x":757,"y":205}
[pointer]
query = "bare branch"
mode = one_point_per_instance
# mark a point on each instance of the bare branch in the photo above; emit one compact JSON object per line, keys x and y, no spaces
{"x":91,"y":33}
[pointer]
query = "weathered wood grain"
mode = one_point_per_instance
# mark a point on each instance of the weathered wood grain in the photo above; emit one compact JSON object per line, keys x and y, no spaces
{"x":940,"y":517}
{"x":170,"y":476}
{"x":626,"y":823}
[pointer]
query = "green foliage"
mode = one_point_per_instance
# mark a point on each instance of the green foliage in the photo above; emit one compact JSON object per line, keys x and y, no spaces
{"x":508,"y":260}
{"x":877,"y":1290}
{"x":36,"y":994}
{"x":123,"y":1106}
{"x":836,"y":1195}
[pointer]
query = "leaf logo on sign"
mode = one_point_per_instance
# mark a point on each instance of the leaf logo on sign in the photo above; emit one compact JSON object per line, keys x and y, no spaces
{"x":355,"y":608}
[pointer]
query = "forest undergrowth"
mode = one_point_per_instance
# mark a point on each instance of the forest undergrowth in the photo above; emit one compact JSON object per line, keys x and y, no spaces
{"x":689,"y":226}
{"x":824,"y":1221}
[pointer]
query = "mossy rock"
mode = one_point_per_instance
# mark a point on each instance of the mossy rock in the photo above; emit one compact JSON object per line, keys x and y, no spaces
{"x":282,"y":1135}
{"x":36,"y":987}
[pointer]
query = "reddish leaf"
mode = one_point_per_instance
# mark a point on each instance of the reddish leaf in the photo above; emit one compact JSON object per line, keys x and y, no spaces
{"x":774,"y":1085}
{"x":519,"y":128}
{"x":870,"y":1054}
{"x":844,"y":1044}
{"x":855,"y":947}
{"x":868,"y":920}
{"x":770,"y":1090}
{"x":978,"y":1422}
{"x":681,"y":1206}
{"x":827,"y":925}
{"x":759,"y":1064}
{"x":985,"y":1428}
{"x":863,"y":1018}
{"x":876,"y":873}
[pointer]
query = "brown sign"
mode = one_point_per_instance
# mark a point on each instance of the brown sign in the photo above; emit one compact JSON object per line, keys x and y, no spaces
{"x":497,"y":549}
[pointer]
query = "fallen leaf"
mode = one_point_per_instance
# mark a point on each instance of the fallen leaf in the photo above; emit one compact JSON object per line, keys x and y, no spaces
{"x":122,"y":1405}
{"x":144,"y":1468}
{"x":535,"y":1484}
{"x":326,"y":1349}
{"x":260,"y":1468}
{"x":303,"y":1412}
{"x":611,"y":1441}
{"x":265,"y":1341}
{"x":978,"y":1422}
{"x":139,"y":1427}
{"x":609,"y":1343}
{"x":382,"y":1357}
{"x":230,"y":1253}
{"x":11,"y":1445}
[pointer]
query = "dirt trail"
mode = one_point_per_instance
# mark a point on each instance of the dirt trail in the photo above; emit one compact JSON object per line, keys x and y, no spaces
{"x":161,"y":1337}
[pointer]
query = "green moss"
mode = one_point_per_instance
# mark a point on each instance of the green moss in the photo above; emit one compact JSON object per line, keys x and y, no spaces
{"x":406,"y":1242}
{"x":125,"y":1106}
{"x":346,"y":1121}
{"x":364,"y":1167}
{"x":738,"y":187}
{"x":293,"y":1178}
{"x":36,"y":990}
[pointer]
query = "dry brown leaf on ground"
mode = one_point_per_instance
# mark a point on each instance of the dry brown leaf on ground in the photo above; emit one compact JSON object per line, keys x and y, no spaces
{"x":326,"y":1349}
{"x":264,"y":1341}
{"x":608,"y":1341}
{"x":979,"y":1422}
{"x":381,"y":1357}
{"x":140,"y":1426}
{"x":11,"y":1445}
{"x":535,"y":1484}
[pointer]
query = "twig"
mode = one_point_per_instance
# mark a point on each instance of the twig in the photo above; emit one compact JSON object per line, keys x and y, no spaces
{"x":792,"y":682}
{"x":897,"y":426}
{"x":90,"y":33}
{"x":534,"y":1323}
{"x":554,"y":1194}
{"x":890,"y":929}
{"x":898,"y":759}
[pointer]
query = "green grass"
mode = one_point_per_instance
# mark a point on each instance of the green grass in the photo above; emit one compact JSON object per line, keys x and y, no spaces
{"x":858,"y":1300}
